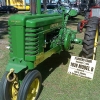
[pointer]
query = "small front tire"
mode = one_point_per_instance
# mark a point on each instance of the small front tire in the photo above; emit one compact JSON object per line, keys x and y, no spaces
{"x":8,"y":90}
{"x":30,"y":87}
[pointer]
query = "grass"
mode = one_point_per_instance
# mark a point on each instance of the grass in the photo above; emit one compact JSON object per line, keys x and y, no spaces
{"x":4,"y":54}
{"x":57,"y":83}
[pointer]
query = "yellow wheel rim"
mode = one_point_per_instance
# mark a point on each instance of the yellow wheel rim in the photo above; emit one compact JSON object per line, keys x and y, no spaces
{"x":95,"y":43}
{"x":33,"y":90}
{"x":13,"y":89}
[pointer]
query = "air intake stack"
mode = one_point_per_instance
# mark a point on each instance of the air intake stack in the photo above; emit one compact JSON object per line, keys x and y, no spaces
{"x":35,"y":6}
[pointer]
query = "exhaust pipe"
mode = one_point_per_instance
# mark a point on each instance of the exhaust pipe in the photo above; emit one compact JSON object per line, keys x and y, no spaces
{"x":35,"y":6}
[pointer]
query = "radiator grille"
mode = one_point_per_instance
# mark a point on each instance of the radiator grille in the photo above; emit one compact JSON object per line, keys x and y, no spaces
{"x":10,"y":41}
{"x":31,"y":42}
{"x":96,"y":12}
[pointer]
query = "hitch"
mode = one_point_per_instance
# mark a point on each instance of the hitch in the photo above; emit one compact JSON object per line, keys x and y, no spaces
{"x":11,"y":76}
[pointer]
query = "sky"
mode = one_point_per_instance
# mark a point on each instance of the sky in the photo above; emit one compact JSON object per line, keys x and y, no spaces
{"x":27,"y":1}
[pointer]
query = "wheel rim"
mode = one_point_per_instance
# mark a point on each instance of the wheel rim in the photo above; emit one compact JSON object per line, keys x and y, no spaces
{"x":33,"y":90}
{"x":13,"y":89}
{"x":95,"y":43}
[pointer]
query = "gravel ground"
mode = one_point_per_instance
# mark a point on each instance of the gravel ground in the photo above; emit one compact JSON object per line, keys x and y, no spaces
{"x":3,"y":24}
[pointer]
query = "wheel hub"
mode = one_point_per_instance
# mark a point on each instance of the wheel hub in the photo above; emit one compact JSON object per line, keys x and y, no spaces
{"x":14,"y":86}
{"x":32,"y":92}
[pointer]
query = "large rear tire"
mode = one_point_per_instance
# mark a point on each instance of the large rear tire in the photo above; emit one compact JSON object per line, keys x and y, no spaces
{"x":90,"y":41}
{"x":30,"y":87}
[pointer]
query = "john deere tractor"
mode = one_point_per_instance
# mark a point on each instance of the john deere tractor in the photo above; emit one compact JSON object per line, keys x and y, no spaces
{"x":33,"y":38}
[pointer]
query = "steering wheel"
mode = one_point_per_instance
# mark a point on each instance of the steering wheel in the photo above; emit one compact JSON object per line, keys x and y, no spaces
{"x":63,"y":7}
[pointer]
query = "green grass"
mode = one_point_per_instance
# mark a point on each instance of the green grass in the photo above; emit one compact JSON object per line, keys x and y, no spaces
{"x":57,"y":83}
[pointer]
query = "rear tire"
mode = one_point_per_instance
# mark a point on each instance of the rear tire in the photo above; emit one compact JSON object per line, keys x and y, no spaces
{"x":90,"y":41}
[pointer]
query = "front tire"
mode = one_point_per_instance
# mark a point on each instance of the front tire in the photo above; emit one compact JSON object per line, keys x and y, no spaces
{"x":30,"y":87}
{"x":8,"y":90}
{"x":90,"y":41}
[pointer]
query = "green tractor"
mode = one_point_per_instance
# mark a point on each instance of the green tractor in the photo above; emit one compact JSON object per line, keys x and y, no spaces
{"x":33,"y":38}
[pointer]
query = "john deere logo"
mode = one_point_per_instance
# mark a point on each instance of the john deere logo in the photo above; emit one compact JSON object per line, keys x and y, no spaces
{"x":15,"y":21}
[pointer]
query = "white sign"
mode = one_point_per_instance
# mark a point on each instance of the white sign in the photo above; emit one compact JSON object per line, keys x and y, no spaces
{"x":82,"y":67}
